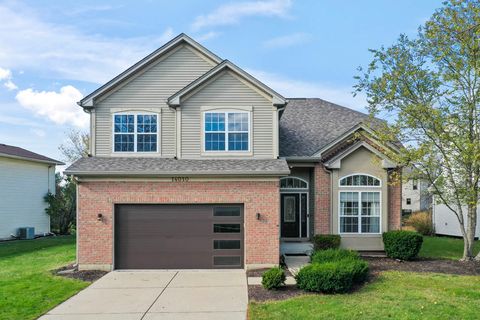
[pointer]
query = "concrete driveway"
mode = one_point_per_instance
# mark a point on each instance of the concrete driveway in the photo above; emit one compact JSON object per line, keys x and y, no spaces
{"x":166,"y":295}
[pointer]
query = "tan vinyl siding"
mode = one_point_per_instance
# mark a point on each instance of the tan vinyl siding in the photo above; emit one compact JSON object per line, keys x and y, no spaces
{"x":227,"y":91}
{"x":361,"y":161}
{"x":150,"y":90}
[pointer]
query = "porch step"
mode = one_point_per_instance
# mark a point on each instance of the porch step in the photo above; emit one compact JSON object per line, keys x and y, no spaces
{"x":295,"y":262}
{"x":372,"y":254}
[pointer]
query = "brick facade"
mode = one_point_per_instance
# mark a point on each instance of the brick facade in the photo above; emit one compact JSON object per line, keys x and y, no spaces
{"x":95,"y":238}
{"x":394,"y":200}
{"x":322,"y":189}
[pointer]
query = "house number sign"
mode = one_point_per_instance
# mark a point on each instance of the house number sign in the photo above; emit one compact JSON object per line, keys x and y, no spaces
{"x":180,"y":179}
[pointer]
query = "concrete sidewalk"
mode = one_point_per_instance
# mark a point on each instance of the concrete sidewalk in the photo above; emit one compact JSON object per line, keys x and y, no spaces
{"x":150,"y":295}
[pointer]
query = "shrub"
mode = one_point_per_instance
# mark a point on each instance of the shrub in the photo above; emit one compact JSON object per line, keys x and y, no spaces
{"x":273,"y":278}
{"x":421,"y":221}
{"x":330,"y":255}
{"x":401,"y":244}
{"x":332,"y":277}
{"x":326,"y":241}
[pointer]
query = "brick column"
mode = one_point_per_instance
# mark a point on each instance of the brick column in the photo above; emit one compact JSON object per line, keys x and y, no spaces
{"x":395,"y":200}
{"x":322,"y":200}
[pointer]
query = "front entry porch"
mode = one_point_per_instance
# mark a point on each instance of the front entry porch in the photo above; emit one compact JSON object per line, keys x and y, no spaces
{"x":294,"y":216}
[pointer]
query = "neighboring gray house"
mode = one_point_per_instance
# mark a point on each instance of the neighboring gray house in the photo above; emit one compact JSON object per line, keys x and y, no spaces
{"x":25,"y":178}
{"x":415,"y":196}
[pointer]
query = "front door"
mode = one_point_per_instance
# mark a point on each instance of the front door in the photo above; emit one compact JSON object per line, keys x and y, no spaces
{"x":293,"y":215}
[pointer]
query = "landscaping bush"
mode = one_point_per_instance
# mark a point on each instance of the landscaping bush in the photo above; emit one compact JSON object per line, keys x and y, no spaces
{"x":421,"y":221}
{"x":326,"y":241}
{"x":332,"y":277}
{"x":331,"y":255}
{"x":403,"y":245}
{"x":273,"y":278}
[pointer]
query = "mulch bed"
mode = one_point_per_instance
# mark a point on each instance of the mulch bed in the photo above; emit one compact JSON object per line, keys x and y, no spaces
{"x":260,"y":294}
{"x":377,"y":265}
{"x":425,"y":265}
{"x":71,"y":271}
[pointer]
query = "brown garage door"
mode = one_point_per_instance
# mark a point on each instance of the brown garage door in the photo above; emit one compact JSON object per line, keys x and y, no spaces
{"x":178,"y":236}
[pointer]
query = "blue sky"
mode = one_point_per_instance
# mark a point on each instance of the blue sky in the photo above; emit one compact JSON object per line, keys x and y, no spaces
{"x":52,"y":53}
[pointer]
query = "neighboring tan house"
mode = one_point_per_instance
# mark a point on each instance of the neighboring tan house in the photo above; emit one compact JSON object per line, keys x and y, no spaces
{"x":196,"y":164}
{"x":25,"y":178}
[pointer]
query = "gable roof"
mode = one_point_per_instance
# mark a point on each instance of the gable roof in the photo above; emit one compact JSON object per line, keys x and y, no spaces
{"x":174,"y":100}
{"x":309,"y":124}
{"x":87,"y":102}
{"x":20,"y":153}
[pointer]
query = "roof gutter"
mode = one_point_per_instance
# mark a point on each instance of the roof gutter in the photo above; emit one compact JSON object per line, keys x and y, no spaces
{"x":302,"y":159}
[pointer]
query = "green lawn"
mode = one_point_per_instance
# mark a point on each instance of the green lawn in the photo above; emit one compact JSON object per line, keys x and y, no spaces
{"x":395,"y":295}
{"x":27,"y":288}
{"x":444,"y":248}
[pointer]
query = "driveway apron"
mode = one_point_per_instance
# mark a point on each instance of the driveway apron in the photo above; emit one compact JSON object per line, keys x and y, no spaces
{"x":151,"y":295}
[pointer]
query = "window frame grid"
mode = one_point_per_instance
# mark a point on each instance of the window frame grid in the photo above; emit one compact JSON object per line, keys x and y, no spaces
{"x":226,"y":131}
{"x":135,"y":132}
{"x":359,"y":186}
{"x":359,"y":215}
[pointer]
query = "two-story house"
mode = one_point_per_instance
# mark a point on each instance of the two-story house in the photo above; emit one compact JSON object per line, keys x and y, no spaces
{"x":196,"y":164}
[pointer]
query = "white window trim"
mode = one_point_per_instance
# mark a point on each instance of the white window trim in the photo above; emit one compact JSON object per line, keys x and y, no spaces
{"x":135,"y":133}
{"x":359,"y":174}
{"x":359,"y":215}
{"x":226,"y":151}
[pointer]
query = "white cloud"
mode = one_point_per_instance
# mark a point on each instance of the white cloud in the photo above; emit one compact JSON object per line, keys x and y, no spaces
{"x":293,"y":88}
{"x":5,"y":74}
{"x":59,"y":107}
{"x":233,"y":12}
{"x":287,"y":40}
{"x":207,"y":36}
{"x":16,"y":121}
{"x":10,"y":85}
{"x":29,"y":43}
{"x":38,"y":132}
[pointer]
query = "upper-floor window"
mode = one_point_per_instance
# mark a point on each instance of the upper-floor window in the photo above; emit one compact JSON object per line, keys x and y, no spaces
{"x":360,"y":180}
{"x":227,"y":131}
{"x":135,"y":132}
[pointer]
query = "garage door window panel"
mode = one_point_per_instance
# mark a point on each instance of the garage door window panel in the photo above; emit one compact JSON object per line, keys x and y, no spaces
{"x":226,"y":244}
{"x":226,"y":228}
{"x":226,"y":212}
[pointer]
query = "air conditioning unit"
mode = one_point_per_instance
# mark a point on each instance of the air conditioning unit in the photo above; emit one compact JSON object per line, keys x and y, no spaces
{"x":26,"y":233}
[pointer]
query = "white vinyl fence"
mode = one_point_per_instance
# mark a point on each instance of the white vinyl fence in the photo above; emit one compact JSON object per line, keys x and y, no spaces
{"x":446,"y":222}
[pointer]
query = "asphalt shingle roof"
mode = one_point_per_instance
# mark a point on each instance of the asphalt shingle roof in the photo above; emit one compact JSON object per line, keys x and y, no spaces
{"x":308,"y":124}
{"x":18,"y":152}
{"x":163,"y":166}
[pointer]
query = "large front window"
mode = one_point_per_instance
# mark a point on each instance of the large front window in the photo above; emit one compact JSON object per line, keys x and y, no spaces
{"x":227,"y":131}
{"x":135,"y":133}
{"x":359,"y":211}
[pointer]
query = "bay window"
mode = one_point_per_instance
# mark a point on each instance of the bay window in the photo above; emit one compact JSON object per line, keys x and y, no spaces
{"x":227,"y":131}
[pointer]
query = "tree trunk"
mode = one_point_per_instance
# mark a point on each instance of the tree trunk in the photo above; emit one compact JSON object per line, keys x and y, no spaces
{"x":469,"y":237}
